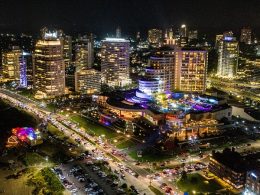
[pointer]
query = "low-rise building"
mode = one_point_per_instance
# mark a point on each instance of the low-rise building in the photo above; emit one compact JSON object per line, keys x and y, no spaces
{"x":229,"y":166}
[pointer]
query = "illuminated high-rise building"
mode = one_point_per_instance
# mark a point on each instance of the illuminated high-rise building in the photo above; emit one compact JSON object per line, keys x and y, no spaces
{"x":67,"y":49}
{"x":17,"y":66}
{"x":161,"y":67}
{"x":155,"y":37}
{"x":218,"y":39}
{"x":27,"y":59}
{"x":169,"y":38}
{"x":183,"y":31}
{"x":228,"y":54}
{"x":49,"y":67}
{"x":179,"y":69}
{"x":84,"y":52}
{"x":115,"y":61}
{"x":193,"y":34}
{"x":246,"y":36}
{"x":87,"y":81}
{"x":183,"y":36}
{"x":190,"y":70}
{"x":11,"y":64}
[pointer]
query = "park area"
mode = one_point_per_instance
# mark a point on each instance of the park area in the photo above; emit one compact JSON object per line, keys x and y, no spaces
{"x":197,"y":184}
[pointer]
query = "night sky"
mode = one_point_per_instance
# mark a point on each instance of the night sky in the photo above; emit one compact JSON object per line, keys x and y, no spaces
{"x":103,"y":16}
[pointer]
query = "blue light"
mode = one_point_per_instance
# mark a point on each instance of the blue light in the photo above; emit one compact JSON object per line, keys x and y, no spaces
{"x":212,"y":101}
{"x":228,"y":38}
{"x":254,"y":175}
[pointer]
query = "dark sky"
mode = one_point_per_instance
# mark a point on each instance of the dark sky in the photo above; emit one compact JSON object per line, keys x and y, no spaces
{"x":103,"y":16}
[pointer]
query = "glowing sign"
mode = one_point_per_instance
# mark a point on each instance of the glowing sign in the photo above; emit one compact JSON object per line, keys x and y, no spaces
{"x":51,"y":34}
{"x":116,"y":40}
{"x":228,"y":38}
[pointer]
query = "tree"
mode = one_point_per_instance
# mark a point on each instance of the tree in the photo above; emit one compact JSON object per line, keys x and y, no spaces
{"x":184,"y":175}
{"x":124,"y":185}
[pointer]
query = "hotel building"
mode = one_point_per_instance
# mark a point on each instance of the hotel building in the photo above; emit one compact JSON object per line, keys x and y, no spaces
{"x":228,"y":53}
{"x":161,"y":67}
{"x":49,"y":67}
{"x":190,"y":70}
{"x":115,"y":62}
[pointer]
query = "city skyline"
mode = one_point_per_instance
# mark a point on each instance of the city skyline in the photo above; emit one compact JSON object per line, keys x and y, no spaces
{"x":129,"y":97}
{"x":102,"y":17}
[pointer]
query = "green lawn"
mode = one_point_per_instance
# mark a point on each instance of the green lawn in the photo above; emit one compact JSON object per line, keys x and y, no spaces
{"x":54,"y":131}
{"x":46,"y":182}
{"x":30,"y":158}
{"x":27,"y":93}
{"x":127,"y":143}
{"x":94,"y":128}
{"x":14,"y":186}
{"x":195,"y":182}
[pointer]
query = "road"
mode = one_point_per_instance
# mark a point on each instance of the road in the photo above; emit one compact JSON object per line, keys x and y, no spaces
{"x":241,"y":89}
{"x":74,"y":132}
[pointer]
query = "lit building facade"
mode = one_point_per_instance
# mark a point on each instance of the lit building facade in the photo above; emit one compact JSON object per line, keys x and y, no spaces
{"x":228,"y":53}
{"x":161,"y":67}
{"x":23,"y":71}
{"x":228,"y":169}
{"x":246,"y":35}
{"x":115,"y":62}
{"x":217,"y":41}
{"x":49,"y":67}
{"x":27,"y":58}
{"x":84,"y":52}
{"x":87,"y":81}
{"x":11,"y":64}
{"x":190,"y":70}
{"x":193,"y":34}
{"x":16,"y":66}
{"x":155,"y":37}
{"x":183,"y":31}
{"x":252,"y":186}
{"x":176,"y":69}
{"x":67,"y":50}
{"x":169,"y":38}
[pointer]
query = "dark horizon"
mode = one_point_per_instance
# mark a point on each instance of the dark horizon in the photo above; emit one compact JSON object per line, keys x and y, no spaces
{"x":103,"y":16}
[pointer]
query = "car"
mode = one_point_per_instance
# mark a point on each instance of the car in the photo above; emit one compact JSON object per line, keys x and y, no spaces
{"x":62,"y":177}
{"x":93,"y":184}
{"x":95,"y":168}
{"x":73,"y":190}
{"x":81,"y":179}
{"x":88,"y":189}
